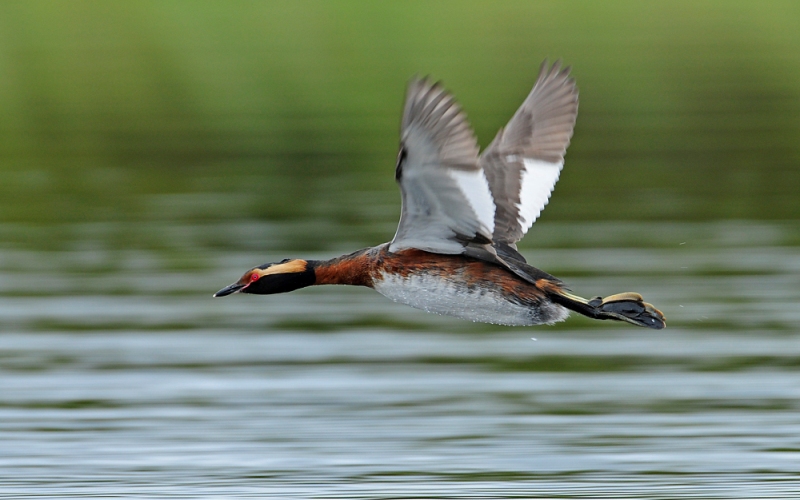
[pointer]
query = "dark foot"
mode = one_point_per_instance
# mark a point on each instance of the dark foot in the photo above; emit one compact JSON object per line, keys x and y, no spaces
{"x":630,"y":307}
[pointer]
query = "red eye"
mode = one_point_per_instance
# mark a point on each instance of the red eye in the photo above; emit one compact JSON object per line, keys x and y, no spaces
{"x":254,"y":277}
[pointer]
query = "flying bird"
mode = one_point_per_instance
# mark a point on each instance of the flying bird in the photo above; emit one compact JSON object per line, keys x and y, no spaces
{"x":463,"y":212}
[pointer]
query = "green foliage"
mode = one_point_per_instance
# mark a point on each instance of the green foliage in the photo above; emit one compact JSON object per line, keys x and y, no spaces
{"x":210,"y":111}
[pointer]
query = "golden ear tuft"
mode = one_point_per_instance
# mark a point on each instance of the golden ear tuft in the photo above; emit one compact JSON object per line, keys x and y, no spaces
{"x":293,"y":266}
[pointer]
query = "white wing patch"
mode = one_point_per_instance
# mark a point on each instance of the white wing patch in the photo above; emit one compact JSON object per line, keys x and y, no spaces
{"x":476,"y":191}
{"x":538,"y":180}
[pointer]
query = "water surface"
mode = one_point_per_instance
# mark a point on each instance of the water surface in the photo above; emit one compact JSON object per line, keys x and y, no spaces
{"x":134,"y":382}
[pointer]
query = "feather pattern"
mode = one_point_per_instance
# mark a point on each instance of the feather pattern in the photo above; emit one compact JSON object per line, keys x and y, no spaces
{"x":457,"y":202}
{"x":523,"y":162}
{"x":447,"y":202}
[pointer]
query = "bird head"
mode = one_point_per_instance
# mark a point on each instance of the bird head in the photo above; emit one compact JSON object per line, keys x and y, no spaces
{"x":276,"y":277}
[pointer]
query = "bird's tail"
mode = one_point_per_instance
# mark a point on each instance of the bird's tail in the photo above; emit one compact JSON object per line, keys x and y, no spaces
{"x":626,"y":306}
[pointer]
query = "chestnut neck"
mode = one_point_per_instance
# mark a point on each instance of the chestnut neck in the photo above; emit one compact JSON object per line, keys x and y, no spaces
{"x":352,"y":269}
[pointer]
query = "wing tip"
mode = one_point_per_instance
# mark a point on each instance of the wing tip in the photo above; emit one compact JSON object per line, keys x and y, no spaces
{"x":549,"y":73}
{"x":432,"y":111}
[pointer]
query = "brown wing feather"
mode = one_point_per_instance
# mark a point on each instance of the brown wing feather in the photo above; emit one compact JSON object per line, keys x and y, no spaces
{"x":431,"y":108}
{"x":447,"y":202}
{"x":540,"y":130}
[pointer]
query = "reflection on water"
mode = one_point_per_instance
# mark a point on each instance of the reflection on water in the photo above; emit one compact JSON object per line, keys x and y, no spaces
{"x":121,"y":376}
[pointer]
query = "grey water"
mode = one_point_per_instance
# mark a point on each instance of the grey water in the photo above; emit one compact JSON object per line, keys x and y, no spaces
{"x":133,"y":382}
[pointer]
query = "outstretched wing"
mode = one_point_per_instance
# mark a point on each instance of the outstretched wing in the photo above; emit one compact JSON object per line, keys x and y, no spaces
{"x":524,"y":160}
{"x":447,"y":203}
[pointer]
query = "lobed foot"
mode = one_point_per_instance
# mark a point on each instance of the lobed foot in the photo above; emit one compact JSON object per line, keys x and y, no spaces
{"x":630,"y":307}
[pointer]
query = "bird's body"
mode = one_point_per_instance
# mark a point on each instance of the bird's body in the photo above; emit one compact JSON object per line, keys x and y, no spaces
{"x":451,"y":285}
{"x":455,"y":252}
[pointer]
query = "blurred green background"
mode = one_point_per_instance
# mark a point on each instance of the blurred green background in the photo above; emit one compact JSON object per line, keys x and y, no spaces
{"x":120,"y":118}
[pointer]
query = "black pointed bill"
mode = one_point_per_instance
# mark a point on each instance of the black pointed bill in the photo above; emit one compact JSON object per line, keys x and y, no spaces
{"x":229,"y":290}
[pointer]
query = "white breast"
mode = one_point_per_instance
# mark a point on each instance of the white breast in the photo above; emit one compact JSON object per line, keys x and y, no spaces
{"x":435,"y":295}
